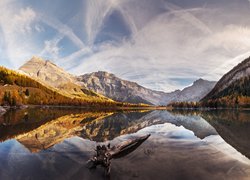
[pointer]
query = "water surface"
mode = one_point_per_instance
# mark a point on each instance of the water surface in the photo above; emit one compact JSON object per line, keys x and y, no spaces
{"x":55,"y":143}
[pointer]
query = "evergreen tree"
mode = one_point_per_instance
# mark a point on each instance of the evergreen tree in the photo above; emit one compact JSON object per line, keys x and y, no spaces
{"x":27,"y":92}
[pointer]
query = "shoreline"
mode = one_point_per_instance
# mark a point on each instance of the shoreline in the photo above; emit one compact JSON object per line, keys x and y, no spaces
{"x":208,"y":108}
{"x":6,"y":108}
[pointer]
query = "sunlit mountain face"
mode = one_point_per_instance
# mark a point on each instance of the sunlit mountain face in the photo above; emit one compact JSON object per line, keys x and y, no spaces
{"x":162,"y":45}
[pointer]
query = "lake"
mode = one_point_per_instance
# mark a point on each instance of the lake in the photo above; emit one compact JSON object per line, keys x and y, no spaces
{"x":55,"y":143}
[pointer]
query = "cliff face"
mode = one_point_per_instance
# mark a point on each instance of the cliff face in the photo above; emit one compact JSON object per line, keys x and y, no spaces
{"x":46,"y":71}
{"x":118,"y":89}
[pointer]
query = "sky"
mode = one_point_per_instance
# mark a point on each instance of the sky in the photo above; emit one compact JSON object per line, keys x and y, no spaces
{"x":160,"y":44}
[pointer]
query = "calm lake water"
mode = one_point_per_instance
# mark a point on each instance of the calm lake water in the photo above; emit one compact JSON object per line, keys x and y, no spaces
{"x":55,"y":143}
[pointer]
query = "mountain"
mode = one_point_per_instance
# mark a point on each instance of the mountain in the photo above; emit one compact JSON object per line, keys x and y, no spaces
{"x":51,"y":75}
{"x":19,"y":89}
{"x":118,"y":89}
{"x":45,"y":70}
{"x":233,"y":88}
{"x":195,"y":92}
{"x":16,"y":88}
{"x":103,"y":84}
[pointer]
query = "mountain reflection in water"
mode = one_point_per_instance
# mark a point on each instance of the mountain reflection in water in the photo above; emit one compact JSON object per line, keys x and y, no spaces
{"x":55,"y":144}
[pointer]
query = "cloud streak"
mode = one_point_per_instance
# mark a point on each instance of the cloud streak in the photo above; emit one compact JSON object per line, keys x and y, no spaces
{"x":172,"y":47}
{"x":62,"y":29}
{"x":163,"y":46}
{"x":15,"y":23}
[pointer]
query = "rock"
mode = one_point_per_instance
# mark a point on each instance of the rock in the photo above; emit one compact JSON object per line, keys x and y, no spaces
{"x":2,"y":110}
{"x":23,"y":106}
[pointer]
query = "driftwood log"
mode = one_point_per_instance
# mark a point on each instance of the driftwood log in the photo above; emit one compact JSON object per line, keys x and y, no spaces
{"x":104,"y":153}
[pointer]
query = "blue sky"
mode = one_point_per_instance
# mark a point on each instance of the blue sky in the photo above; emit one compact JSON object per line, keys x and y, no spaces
{"x":163,"y":45}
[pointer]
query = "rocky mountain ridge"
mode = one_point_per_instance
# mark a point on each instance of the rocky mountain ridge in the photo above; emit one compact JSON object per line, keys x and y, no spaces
{"x":51,"y":75}
{"x":104,"y":84}
{"x":118,"y":89}
{"x":47,"y":71}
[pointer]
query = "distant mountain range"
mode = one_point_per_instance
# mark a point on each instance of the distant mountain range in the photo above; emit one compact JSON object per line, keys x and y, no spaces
{"x":104,"y":84}
{"x":118,"y":89}
{"x":233,"y":88}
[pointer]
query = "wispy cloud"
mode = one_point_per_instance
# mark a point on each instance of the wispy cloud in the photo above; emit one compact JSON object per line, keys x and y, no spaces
{"x":188,"y":17}
{"x":51,"y":48}
{"x":22,"y":21}
{"x":15,"y":23}
{"x":96,"y":12}
{"x":62,"y":29}
{"x":69,"y":60}
{"x":169,"y":45}
{"x":174,"y":45}
{"x":20,"y":25}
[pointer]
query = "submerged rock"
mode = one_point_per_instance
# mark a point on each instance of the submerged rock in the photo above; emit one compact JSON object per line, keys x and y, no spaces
{"x":2,"y":110}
